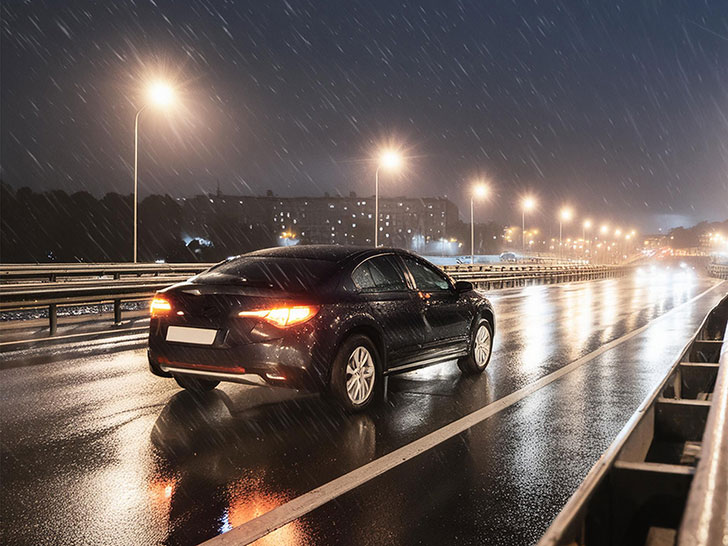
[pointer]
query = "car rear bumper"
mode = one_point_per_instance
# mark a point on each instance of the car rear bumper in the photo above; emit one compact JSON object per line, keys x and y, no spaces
{"x":283,"y":362}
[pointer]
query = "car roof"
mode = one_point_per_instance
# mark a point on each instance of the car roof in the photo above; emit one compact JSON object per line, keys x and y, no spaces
{"x":334,"y":253}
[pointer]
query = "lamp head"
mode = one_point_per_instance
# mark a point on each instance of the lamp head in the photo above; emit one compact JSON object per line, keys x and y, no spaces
{"x":390,"y":159}
{"x":161,"y":94}
{"x":481,"y":190}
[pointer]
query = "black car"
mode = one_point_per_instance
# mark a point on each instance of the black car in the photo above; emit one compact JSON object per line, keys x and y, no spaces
{"x":334,"y":319}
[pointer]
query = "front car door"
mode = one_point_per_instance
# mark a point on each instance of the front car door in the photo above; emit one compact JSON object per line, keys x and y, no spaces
{"x":446,"y":318}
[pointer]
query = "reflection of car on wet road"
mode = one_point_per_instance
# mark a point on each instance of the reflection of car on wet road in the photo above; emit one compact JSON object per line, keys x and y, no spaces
{"x":323,"y":318}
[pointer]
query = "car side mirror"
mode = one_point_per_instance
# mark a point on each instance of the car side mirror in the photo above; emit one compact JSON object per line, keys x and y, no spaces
{"x":463,"y":286}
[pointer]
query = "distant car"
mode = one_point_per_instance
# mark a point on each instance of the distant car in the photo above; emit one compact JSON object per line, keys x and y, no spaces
{"x":508,"y":257}
{"x":326,"y":318}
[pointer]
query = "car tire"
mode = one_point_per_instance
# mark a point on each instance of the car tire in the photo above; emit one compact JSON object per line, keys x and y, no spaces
{"x":195,"y":385}
{"x":480,"y":350}
{"x":355,"y":373}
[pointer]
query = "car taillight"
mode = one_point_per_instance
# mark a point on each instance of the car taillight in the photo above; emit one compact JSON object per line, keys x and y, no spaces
{"x":160,"y":306}
{"x":282,"y":317}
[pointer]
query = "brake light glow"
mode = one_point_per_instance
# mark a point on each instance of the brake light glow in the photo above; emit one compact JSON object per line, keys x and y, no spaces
{"x":282,"y":317}
{"x":160,"y":306}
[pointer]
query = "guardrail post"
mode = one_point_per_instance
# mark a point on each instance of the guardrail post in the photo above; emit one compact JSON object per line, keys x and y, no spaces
{"x":117,"y":311}
{"x":53,"y":318}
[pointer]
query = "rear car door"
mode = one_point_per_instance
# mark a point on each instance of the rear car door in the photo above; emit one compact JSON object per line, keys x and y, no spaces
{"x":380,"y":281}
{"x":446,"y":318}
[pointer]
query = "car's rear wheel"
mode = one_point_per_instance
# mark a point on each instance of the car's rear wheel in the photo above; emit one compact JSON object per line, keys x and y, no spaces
{"x":195,"y":384}
{"x":481,"y":348}
{"x":355,"y":373}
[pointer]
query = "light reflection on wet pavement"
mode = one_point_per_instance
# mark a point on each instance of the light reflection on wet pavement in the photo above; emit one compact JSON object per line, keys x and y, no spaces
{"x":96,"y":450}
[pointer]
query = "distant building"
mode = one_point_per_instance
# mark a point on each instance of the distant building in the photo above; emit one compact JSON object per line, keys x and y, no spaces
{"x":405,"y":222}
{"x":655,"y":242}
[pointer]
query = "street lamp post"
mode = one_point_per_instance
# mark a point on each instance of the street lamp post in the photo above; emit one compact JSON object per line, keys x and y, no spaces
{"x":481,"y":190}
{"x":604,"y":230}
{"x":528,"y":204}
{"x":585,"y":226}
{"x":136,"y":171}
{"x":564,"y":216}
{"x":161,"y":95}
{"x":391,"y":160}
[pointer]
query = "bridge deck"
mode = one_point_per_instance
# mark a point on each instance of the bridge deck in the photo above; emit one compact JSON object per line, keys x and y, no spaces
{"x":95,"y":449}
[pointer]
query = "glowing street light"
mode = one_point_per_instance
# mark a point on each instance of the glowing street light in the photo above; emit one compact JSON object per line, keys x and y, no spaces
{"x":390,"y":160}
{"x":160,"y":95}
{"x":480,"y":191}
{"x":564,"y":216}
{"x":527,"y":204}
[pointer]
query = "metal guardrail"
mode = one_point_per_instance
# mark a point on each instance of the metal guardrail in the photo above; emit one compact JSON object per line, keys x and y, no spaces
{"x":706,"y":515}
{"x":54,"y":272}
{"x":488,"y":277}
{"x":718,"y":270}
{"x":53,"y":297}
{"x":136,"y":282}
{"x":664,"y":480}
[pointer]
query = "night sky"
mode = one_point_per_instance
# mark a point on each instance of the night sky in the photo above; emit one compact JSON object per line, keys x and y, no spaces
{"x":617,"y":108}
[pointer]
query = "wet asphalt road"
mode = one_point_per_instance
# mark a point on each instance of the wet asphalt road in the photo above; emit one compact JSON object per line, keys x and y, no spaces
{"x":95,"y":450}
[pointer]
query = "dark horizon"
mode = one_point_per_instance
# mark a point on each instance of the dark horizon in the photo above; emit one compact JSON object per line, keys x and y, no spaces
{"x":616,"y":110}
{"x":462,"y":214}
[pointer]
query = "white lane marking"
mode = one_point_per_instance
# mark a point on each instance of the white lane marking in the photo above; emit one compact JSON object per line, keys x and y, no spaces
{"x":300,"y":506}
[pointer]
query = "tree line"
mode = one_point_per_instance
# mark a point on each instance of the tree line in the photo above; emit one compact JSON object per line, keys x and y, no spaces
{"x":78,"y":227}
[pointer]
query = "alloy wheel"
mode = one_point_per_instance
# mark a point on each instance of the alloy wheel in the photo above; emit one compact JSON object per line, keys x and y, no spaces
{"x":360,"y":375}
{"x":481,"y":349}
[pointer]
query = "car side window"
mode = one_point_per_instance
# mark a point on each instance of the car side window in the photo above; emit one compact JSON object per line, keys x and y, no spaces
{"x":378,"y":274}
{"x":426,"y":278}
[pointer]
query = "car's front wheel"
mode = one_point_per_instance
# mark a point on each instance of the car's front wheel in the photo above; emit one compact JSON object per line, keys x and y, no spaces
{"x":481,"y":347}
{"x":194,"y":384}
{"x":355,"y":373}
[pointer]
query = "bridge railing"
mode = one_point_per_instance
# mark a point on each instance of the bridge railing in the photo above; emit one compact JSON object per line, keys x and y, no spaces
{"x":706,"y":515}
{"x":664,"y":479}
{"x":52,"y":286}
{"x":55,"y":272}
{"x":488,"y":277}
{"x":718,"y":270}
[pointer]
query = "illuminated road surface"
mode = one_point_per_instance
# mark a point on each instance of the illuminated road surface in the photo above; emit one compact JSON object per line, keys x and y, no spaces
{"x":95,"y":450}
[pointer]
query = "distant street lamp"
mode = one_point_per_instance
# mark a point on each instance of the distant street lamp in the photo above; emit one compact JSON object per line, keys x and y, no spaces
{"x":564,"y":216}
{"x":585,"y":226}
{"x":390,"y":160}
{"x":160,"y":95}
{"x":527,"y":204}
{"x":480,"y":191}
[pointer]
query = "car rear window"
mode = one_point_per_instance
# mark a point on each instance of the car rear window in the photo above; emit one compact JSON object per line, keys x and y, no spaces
{"x":285,"y":274}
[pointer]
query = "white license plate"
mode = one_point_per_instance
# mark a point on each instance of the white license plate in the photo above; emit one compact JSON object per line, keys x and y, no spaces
{"x":183,"y":334}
